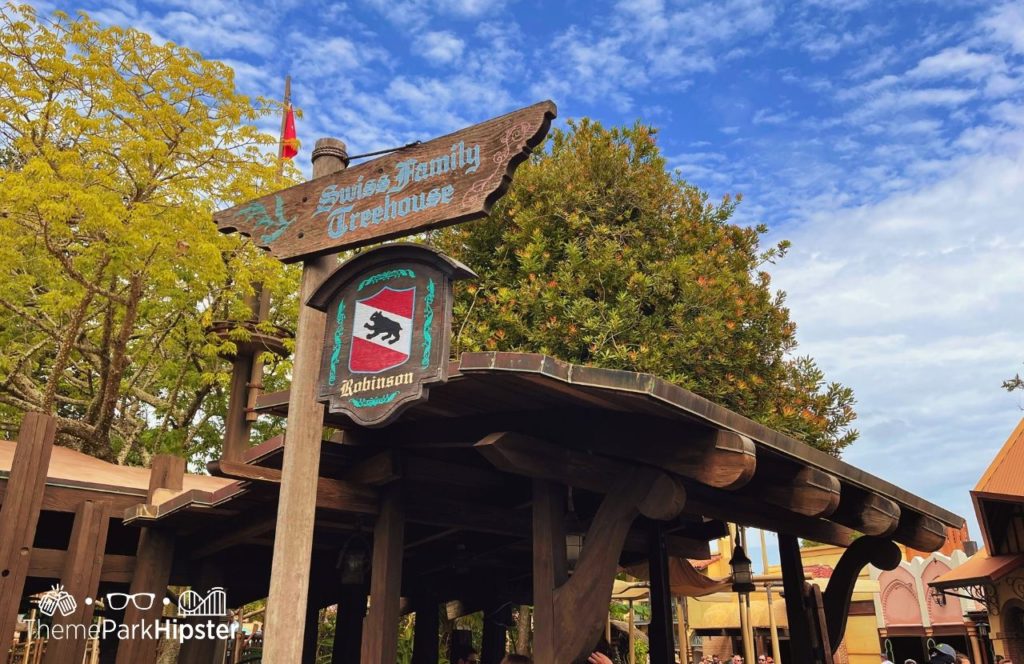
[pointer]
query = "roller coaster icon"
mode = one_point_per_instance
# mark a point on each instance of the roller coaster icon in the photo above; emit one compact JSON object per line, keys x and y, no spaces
{"x":213,"y":605}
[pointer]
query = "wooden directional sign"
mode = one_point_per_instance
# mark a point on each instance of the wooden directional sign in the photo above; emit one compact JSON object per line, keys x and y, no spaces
{"x":388,"y":328}
{"x":444,"y":181}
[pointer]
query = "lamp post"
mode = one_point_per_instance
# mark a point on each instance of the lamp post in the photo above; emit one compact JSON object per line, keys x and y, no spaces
{"x":742,"y":584}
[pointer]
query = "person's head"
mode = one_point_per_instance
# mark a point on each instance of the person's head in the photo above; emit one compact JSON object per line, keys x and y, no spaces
{"x":770,"y":660}
{"x":910,"y":661}
{"x":513,"y":658}
{"x":736,"y":659}
{"x":466,"y":656}
{"x":962,"y":658}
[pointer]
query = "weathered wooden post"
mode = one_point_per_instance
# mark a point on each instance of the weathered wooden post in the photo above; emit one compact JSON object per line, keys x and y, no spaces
{"x":293,"y":544}
{"x":449,"y":180}
{"x":19,"y":513}
{"x":81,"y":578}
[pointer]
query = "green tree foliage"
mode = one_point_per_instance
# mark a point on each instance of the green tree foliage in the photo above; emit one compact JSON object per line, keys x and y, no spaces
{"x":114,"y":151}
{"x":598,"y":255}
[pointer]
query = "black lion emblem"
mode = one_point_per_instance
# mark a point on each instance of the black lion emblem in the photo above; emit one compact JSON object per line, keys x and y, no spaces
{"x":381,"y":325}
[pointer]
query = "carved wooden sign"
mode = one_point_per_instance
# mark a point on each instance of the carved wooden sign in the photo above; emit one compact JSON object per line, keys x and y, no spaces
{"x":447,"y":180}
{"x":388,"y":327}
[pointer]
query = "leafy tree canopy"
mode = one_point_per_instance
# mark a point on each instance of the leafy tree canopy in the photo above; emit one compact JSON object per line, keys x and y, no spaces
{"x":600,"y":256}
{"x":114,"y":151}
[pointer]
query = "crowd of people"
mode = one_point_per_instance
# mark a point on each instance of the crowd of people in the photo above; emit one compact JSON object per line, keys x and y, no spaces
{"x":943,"y":653}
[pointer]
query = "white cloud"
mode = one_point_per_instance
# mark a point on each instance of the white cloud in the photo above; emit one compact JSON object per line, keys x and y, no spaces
{"x":439,"y":47}
{"x":1006,"y":23}
{"x":958,"y":61}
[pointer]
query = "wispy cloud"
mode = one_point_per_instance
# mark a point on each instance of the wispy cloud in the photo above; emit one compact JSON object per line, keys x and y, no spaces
{"x":441,"y":47}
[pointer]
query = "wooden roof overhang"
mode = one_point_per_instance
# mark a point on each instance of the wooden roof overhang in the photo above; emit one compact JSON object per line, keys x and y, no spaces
{"x":467,"y":457}
{"x":635,"y":416}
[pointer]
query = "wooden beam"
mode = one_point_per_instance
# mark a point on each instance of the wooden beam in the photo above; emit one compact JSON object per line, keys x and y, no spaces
{"x":205,"y":651}
{"x":296,"y":507}
{"x":660,"y":630}
{"x":495,"y":633}
{"x":377,"y":470}
{"x":239,"y":533}
{"x":380,"y":628}
{"x":153,"y":559}
{"x":867,"y":513}
{"x":50,"y":564}
{"x":80,"y":578}
{"x":800,"y":489}
{"x":425,"y":644}
{"x":167,"y":472}
{"x":525,"y":455}
{"x":454,"y":514}
{"x":348,"y":635}
{"x":19,"y":513}
{"x":877,"y":551}
{"x":152,"y":573}
{"x":549,"y":565}
{"x":331,"y":494}
{"x":796,"y":609}
{"x":920,"y":532}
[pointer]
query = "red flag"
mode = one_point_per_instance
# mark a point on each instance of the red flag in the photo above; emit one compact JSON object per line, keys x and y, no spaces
{"x":289,"y":140}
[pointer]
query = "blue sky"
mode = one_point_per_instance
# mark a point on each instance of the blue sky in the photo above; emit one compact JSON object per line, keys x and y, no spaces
{"x":885,"y":139}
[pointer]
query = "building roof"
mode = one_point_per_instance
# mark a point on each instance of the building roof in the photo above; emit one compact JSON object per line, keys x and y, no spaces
{"x":981,"y":568}
{"x":1005,"y":475}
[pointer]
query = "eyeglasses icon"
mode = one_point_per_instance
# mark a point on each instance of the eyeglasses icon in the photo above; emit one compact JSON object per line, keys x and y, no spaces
{"x":118,"y":601}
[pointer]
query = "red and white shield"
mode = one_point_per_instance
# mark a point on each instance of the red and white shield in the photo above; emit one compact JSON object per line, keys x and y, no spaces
{"x":382,"y":331}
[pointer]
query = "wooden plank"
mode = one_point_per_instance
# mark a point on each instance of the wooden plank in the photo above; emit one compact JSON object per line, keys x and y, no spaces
{"x":448,"y":180}
{"x":380,"y":628}
{"x":348,"y":636}
{"x":237,"y":426}
{"x":205,"y":651}
{"x":332,"y":494}
{"x":296,"y":507}
{"x":19,"y":513}
{"x":153,"y":560}
{"x":495,"y":633}
{"x":50,"y":564}
{"x":81,"y":578}
{"x":239,"y":533}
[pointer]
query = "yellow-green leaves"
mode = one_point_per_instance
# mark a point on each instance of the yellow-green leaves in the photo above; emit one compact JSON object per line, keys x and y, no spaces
{"x":114,"y":152}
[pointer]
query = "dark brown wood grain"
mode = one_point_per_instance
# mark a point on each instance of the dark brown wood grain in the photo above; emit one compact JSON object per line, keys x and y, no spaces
{"x":380,"y":627}
{"x":309,"y":219}
{"x":19,"y":513}
{"x":81,"y":578}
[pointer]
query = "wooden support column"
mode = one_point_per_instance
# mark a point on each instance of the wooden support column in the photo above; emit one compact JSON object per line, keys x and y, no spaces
{"x":800,"y":645}
{"x":549,"y":564}
{"x":237,"y":426}
{"x":153,"y":560}
{"x":312,"y":632}
{"x":348,"y":633}
{"x":426,"y":642}
{"x":293,"y":543}
{"x":19,"y":513}
{"x":660,"y":631}
{"x":866,"y":550}
{"x":205,"y":651}
{"x":380,"y":628}
{"x":81,"y":578}
{"x":492,"y":645}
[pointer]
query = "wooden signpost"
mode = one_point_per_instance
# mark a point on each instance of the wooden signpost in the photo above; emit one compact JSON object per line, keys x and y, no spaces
{"x":447,"y":180}
{"x":385,"y":336}
{"x":388,"y":327}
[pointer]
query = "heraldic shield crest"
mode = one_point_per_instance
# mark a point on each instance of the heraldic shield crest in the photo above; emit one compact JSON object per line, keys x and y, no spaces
{"x":387,"y":334}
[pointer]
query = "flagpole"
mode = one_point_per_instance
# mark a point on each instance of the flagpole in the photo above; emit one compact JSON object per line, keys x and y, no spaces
{"x":284,"y":118}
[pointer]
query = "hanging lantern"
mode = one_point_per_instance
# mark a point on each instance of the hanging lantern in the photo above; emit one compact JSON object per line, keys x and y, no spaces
{"x":742,"y":571}
{"x":354,"y":560}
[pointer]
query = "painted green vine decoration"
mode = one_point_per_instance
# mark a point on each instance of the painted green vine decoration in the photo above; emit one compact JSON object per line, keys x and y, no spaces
{"x":374,"y":401}
{"x":384,"y":276}
{"x":428,"y":320}
{"x":336,"y":352}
